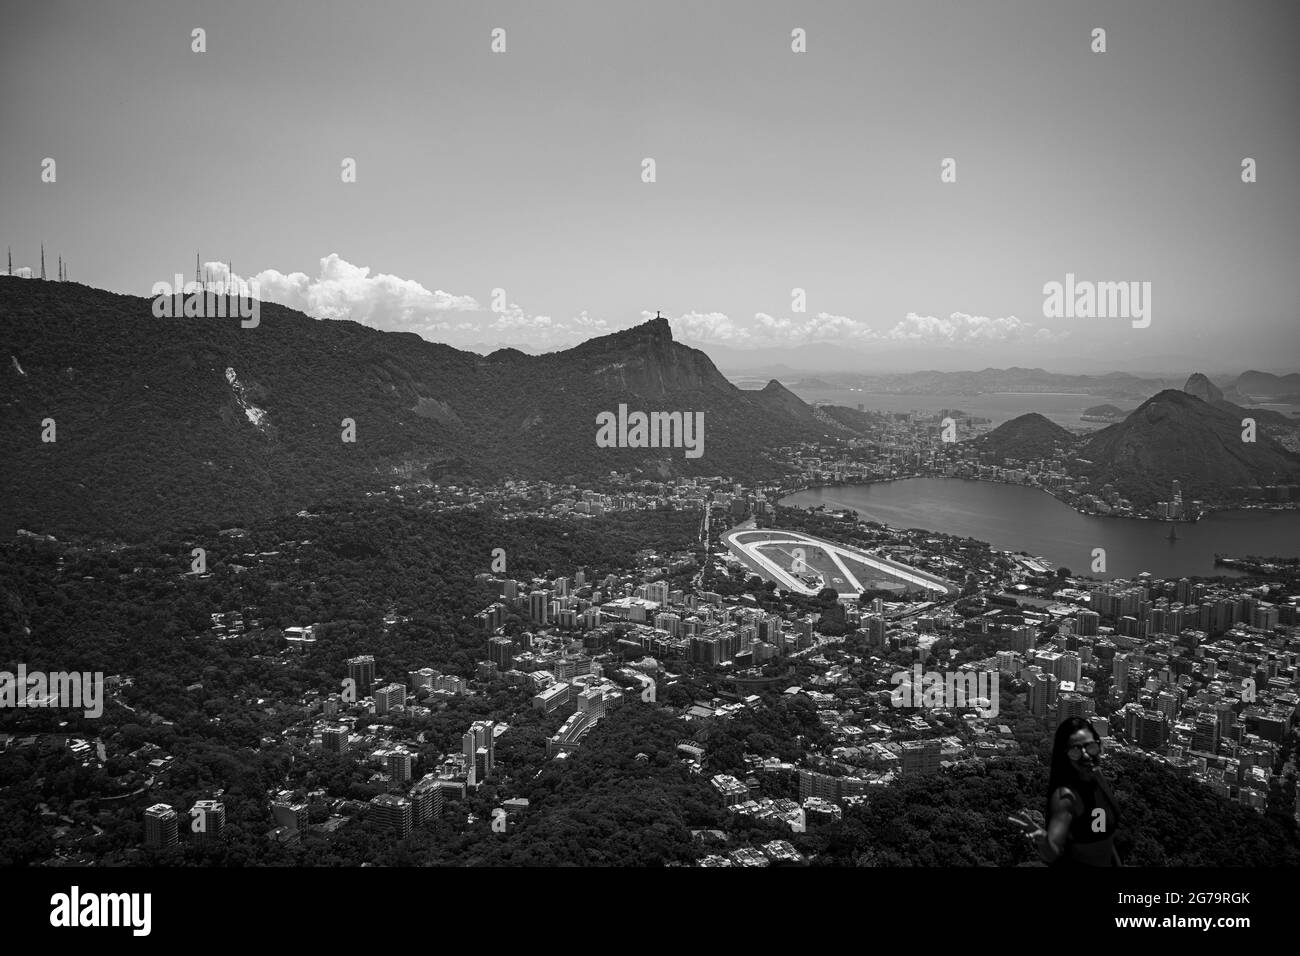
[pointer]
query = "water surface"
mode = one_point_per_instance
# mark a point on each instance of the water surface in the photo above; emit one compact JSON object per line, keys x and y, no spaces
{"x":1017,"y":518}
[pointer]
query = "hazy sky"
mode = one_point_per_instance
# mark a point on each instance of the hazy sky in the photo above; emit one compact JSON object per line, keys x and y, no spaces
{"x":775,"y":170}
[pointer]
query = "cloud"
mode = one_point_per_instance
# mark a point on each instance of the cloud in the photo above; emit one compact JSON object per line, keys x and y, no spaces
{"x":712,"y":328}
{"x":961,"y":328}
{"x":344,"y":291}
{"x":341,"y":290}
{"x":768,"y":331}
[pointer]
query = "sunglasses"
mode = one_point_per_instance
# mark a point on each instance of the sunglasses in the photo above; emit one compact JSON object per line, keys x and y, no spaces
{"x":1076,"y":750}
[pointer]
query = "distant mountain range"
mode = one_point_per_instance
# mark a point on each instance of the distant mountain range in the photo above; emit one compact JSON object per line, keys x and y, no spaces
{"x":163,"y":423}
{"x":168,"y":423}
{"x":1265,"y":387}
{"x":1231,"y":400}
{"x":985,"y":381}
{"x":1245,"y":389}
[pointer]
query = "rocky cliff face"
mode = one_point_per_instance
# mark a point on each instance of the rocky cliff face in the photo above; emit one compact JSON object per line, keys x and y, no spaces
{"x":1201,"y":387}
{"x":1231,"y":401}
{"x":643,"y":361}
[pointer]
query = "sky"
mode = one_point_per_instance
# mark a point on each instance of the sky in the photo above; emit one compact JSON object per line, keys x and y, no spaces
{"x":499,"y":197}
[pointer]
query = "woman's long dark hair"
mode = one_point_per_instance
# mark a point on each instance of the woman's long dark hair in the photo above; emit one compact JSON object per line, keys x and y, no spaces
{"x":1061,"y":772}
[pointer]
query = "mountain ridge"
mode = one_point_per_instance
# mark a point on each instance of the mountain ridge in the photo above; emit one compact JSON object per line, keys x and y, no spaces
{"x":153,"y":432}
{"x":1175,"y":435}
{"x":1026,"y":436}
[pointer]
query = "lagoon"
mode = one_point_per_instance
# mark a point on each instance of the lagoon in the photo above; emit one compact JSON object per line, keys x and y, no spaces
{"x":1019,"y":518}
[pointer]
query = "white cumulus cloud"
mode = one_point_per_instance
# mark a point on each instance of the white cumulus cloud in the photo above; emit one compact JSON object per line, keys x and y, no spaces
{"x":711,"y":328}
{"x":342,"y":290}
{"x":962,"y":328}
{"x":769,"y":331}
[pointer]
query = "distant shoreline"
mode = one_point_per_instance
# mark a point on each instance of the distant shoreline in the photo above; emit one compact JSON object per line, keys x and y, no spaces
{"x":1208,"y":510}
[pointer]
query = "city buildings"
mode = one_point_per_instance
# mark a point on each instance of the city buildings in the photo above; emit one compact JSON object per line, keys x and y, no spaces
{"x":161,"y":829}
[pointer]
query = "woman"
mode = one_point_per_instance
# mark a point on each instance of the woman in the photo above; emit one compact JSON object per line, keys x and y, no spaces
{"x":1081,"y":812}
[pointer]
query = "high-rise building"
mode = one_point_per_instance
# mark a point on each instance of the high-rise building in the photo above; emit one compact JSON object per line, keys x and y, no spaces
{"x":294,"y":816}
{"x":393,"y":812}
{"x":875,"y":628}
{"x":1069,"y":667}
{"x":1042,"y":694}
{"x":1087,"y":622}
{"x":1227,"y":718}
{"x":492,"y":616}
{"x":501,"y":651}
{"x":1205,"y":733}
{"x":388,"y":697}
{"x":1167,"y":704}
{"x":160,"y":827}
{"x":361,"y":670}
{"x":1153,"y":730}
{"x":208,"y":820}
{"x":426,"y":799}
{"x":477,"y":746}
{"x":669,"y":622}
{"x":705,"y":649}
{"x":334,"y":740}
{"x":1024,"y":639}
{"x":422,"y":679}
{"x":571,"y":666}
{"x":592,"y":700}
{"x":919,"y":756}
{"x":398,"y":764}
{"x":1073,"y":705}
{"x":539,"y":606}
{"x":1119,"y":673}
{"x":815,"y":784}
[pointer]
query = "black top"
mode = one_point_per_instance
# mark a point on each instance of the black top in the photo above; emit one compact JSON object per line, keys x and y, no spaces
{"x":1088,"y":826}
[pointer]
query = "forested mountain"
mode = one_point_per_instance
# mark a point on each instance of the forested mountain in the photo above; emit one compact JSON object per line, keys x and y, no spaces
{"x":1024,"y":437}
{"x":164,"y":422}
{"x":1177,"y":436}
